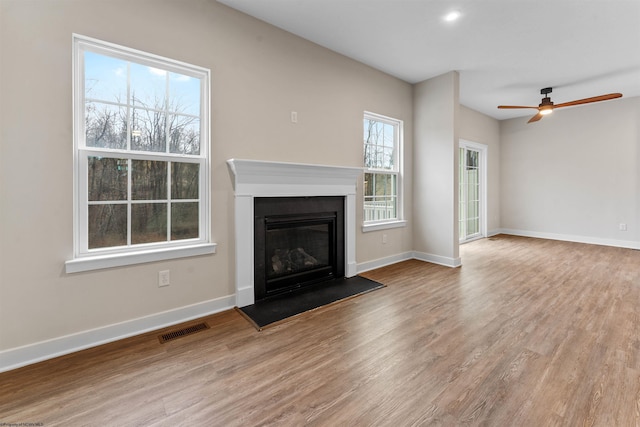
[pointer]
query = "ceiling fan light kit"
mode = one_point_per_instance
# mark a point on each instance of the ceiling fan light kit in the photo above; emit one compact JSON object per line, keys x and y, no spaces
{"x":546,"y":106}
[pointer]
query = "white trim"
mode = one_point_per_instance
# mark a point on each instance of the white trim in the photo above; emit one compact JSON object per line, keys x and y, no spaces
{"x":255,"y":178}
{"x":627,"y":244}
{"x":405,"y":256}
{"x":375,"y":226}
{"x":438,"y":259}
{"x":492,"y":233}
{"x":149,"y":59}
{"x":21,"y":356}
{"x":383,"y":262}
{"x":472,"y":239}
{"x":279,"y":179}
{"x":121,"y":259}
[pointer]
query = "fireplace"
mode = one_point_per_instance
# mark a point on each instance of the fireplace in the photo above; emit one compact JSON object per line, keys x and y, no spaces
{"x":254,"y":179}
{"x":298,"y":242}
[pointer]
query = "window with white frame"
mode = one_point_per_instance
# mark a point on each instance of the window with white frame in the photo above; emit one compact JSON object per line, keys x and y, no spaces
{"x":383,"y":163}
{"x":141,"y":133}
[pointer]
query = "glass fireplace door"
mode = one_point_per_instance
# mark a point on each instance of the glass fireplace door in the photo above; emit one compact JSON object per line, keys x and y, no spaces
{"x":298,"y":252}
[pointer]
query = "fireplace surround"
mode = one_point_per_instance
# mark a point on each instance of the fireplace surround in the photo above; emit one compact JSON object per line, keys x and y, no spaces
{"x":263,"y":179}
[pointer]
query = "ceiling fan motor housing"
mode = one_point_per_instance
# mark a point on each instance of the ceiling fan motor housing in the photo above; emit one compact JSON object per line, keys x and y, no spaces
{"x":546,"y":101}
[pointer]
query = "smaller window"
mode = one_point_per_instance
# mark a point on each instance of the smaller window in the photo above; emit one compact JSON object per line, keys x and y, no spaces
{"x":383,"y":163}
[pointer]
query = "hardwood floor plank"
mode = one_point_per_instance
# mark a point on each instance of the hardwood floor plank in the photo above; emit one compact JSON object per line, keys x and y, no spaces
{"x":527,"y":332}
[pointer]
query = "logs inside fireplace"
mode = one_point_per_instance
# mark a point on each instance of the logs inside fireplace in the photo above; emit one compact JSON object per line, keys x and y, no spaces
{"x":298,"y":242}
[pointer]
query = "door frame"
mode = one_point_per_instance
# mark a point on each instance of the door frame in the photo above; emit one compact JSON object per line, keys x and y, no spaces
{"x":482,"y":165}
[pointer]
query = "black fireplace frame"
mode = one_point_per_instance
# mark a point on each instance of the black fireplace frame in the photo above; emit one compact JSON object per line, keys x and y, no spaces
{"x":269,"y":211}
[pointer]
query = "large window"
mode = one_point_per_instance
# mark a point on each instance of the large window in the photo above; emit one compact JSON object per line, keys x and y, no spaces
{"x":141,"y":137}
{"x":382,"y":160}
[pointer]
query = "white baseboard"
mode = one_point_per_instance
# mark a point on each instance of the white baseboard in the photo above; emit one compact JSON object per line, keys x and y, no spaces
{"x":245,"y":297}
{"x":21,"y":356}
{"x":438,"y":259}
{"x":382,"y":262}
{"x":422,"y":256}
{"x":628,"y":244}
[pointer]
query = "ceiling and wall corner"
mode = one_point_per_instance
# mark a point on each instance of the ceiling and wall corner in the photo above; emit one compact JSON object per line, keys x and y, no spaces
{"x":505,"y":51}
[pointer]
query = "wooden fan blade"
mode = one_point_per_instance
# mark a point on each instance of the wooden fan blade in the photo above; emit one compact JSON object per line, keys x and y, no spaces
{"x":502,"y":107}
{"x":535,"y":118}
{"x":588,"y":100}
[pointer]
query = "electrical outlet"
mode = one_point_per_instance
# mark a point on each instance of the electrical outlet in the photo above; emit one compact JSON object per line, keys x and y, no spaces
{"x":384,"y":238}
{"x":164,"y":279}
{"x":294,"y":117}
{"x":623,"y":226}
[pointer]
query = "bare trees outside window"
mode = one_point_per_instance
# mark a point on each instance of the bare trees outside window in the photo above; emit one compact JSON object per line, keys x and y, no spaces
{"x":141,"y":149}
{"x":381,"y":158}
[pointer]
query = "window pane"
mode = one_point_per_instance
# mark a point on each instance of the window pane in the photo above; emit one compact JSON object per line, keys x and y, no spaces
{"x":148,"y":86}
{"x":369,"y":143}
{"x":106,"y":178}
{"x":380,"y":201}
{"x":148,"y":222}
{"x":378,"y":133}
{"x":368,"y":153}
{"x":472,"y":159}
{"x":388,"y":135}
{"x":388,"y":158}
{"x":473,"y":226}
{"x":379,"y":145}
{"x":184,"y":220}
{"x":105,"y":78}
{"x":184,"y":92}
{"x":107,"y":225}
{"x":148,"y":130}
{"x":148,"y":180}
{"x":184,"y":180}
{"x":105,"y":125}
{"x":184,"y":134}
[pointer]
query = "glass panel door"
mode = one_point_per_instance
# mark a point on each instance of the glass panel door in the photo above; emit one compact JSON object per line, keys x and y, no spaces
{"x":470,"y":191}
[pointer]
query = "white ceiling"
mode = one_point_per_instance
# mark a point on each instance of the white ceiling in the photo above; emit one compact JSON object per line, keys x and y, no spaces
{"x":504,"y":50}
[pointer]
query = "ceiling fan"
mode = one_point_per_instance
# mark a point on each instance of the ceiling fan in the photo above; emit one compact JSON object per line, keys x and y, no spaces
{"x":547,"y":106}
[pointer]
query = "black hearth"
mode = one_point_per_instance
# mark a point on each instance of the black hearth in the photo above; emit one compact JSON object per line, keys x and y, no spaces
{"x":298,"y":242}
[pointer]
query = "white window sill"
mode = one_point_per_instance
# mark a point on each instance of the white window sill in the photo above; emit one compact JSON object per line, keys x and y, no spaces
{"x":117,"y":260}
{"x":374,"y":226}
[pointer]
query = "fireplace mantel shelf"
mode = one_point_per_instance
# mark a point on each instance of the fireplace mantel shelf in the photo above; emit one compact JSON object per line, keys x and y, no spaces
{"x":265,"y":178}
{"x":256,"y":178}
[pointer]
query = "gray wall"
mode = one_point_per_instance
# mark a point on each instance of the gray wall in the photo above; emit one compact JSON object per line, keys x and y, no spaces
{"x":259,"y":75}
{"x":435,"y":195}
{"x":477,"y":127}
{"x":575,"y":175}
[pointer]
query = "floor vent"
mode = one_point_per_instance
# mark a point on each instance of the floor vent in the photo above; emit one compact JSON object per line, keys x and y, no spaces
{"x":169,"y":336}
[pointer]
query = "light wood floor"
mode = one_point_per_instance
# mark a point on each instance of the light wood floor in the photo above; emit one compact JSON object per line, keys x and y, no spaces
{"x":527,"y":332}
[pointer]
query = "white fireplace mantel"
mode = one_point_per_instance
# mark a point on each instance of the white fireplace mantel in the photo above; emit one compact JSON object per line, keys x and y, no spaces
{"x":254,"y":178}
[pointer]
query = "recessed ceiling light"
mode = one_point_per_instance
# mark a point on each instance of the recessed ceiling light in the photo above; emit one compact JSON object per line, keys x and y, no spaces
{"x":452,"y":16}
